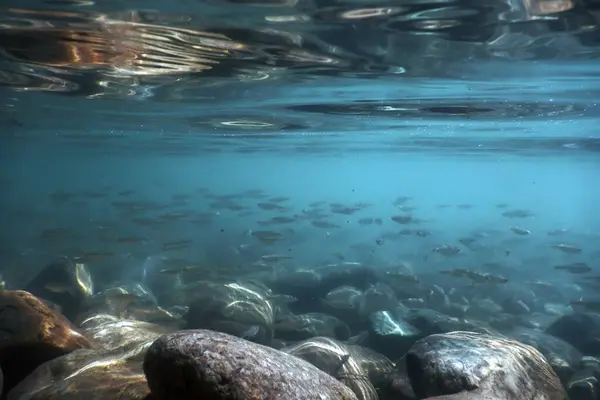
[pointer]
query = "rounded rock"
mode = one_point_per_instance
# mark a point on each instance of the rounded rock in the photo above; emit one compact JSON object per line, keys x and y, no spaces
{"x":482,"y":365}
{"x":31,"y":334}
{"x":197,"y":364}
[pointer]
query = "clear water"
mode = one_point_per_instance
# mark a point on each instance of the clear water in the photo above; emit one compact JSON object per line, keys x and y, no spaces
{"x":131,"y":119}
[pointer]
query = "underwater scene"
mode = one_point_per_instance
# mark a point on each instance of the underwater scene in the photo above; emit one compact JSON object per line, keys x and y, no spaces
{"x":300,"y":200}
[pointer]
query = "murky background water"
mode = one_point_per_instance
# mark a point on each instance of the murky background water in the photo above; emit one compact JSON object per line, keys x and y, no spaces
{"x":153,"y":121}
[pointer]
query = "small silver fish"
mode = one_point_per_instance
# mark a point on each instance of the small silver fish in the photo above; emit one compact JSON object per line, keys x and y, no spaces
{"x":250,"y":332}
{"x":520,"y":231}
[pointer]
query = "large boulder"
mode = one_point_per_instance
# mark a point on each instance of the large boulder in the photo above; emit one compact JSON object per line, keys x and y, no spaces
{"x":474,"y":365}
{"x":31,"y":334}
{"x":202,"y":364}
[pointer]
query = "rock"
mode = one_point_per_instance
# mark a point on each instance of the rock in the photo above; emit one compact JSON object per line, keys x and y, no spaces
{"x":584,"y":384}
{"x":393,"y":332}
{"x":390,"y":334}
{"x":343,"y":302}
{"x":65,"y":283}
{"x":311,"y":286}
{"x":378,"y":297}
{"x":201,"y":364}
{"x":31,"y":334}
{"x":579,"y":329}
{"x":90,"y":375}
{"x":131,"y":301}
{"x":399,"y":388}
{"x":364,"y":371}
{"x":562,"y":356}
{"x":481,"y":365}
{"x":241,"y":309}
{"x":112,"y":333}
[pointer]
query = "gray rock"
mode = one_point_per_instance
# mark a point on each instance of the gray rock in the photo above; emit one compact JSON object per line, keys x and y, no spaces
{"x":88,"y":374}
{"x":198,"y":364}
{"x":484,"y":365}
{"x":585,"y":383}
{"x":112,"y":333}
{"x":363,"y":370}
{"x":562,"y":357}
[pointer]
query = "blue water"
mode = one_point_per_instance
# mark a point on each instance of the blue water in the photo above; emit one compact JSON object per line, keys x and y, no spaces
{"x":498,"y":110}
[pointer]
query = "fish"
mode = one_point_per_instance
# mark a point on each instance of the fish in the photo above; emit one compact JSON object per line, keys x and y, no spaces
{"x":558,"y":232}
{"x":175,"y":271}
{"x":520,"y":231}
{"x":250,"y":332}
{"x":270,"y":206}
{"x":517,"y":214}
{"x":130,"y":239}
{"x":93,"y":256}
{"x":324,"y":224}
{"x":275,"y":257}
{"x":575,"y":268}
{"x":403,"y":219}
{"x":266,"y":236}
{"x":60,"y":288}
{"x":447,"y":250}
{"x":176,"y":245}
{"x":120,"y":302}
{"x":279,"y":199}
{"x":476,"y":277}
{"x":566,"y":248}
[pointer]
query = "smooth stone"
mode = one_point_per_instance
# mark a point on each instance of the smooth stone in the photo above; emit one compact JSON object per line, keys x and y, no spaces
{"x":75,"y":280}
{"x":579,"y":329}
{"x":112,"y":333}
{"x":562,"y":356}
{"x":242,"y":309}
{"x":202,"y":364}
{"x":363,"y":370}
{"x":481,"y":365}
{"x":585,"y":383}
{"x":89,"y":375}
{"x":31,"y":334}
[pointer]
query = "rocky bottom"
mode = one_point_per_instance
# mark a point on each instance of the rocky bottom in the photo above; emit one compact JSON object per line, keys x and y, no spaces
{"x":242,"y":340}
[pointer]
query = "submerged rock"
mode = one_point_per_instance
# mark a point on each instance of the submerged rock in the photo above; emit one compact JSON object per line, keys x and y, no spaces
{"x":112,"y":333}
{"x":241,"y":309}
{"x":90,"y":375}
{"x":584,"y":384}
{"x":131,"y":301}
{"x":32,"y":334}
{"x":363,"y":370}
{"x":562,"y":356}
{"x":198,"y":364}
{"x":579,"y":329}
{"x":391,"y":334}
{"x":317,"y":283}
{"x":481,"y":366}
{"x":65,"y":283}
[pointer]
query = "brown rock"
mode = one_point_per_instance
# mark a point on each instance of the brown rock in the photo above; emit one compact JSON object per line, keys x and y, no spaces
{"x":31,"y":334}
